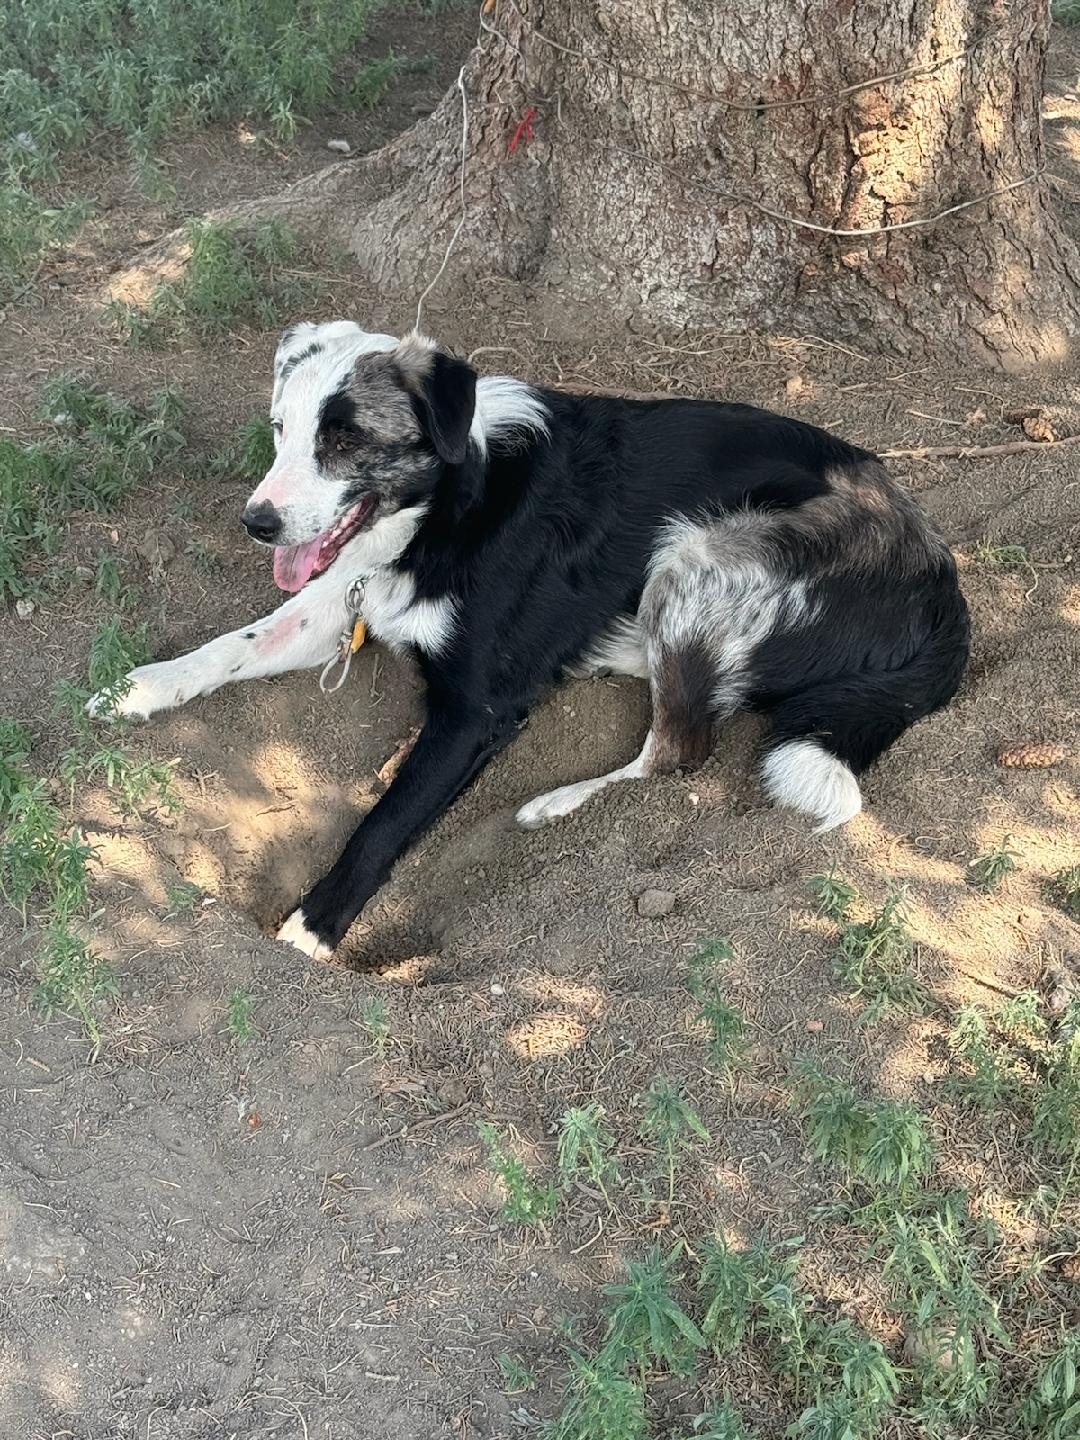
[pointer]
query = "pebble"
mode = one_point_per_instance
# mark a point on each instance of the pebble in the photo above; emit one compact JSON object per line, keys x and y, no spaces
{"x":651,"y":904}
{"x":341,"y":147}
{"x":24,"y":609}
{"x":815,"y":1026}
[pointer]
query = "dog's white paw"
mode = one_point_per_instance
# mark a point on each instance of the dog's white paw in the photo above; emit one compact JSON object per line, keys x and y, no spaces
{"x":151,"y":688}
{"x":295,"y":932}
{"x":554,"y":805}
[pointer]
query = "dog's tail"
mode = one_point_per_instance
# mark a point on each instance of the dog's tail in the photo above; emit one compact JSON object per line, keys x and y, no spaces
{"x":824,"y":736}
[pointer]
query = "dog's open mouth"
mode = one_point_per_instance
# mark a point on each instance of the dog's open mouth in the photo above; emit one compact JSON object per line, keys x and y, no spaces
{"x":295,"y":565}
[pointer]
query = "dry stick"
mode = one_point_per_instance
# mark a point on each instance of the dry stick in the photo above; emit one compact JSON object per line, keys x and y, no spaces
{"x":973,"y":452}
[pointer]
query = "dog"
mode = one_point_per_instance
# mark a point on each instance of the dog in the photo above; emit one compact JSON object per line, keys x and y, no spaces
{"x":504,"y":536}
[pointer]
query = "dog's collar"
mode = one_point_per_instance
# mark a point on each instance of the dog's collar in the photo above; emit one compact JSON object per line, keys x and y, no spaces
{"x":351,"y":638}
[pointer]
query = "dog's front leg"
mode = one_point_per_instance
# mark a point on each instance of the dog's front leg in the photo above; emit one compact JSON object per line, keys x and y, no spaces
{"x":449,"y":753}
{"x":302,"y":632}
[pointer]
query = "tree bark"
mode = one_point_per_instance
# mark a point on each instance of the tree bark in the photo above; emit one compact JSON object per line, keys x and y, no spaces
{"x":679,"y":152}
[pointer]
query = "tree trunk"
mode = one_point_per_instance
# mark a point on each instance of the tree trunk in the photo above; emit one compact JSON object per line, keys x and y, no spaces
{"x":685,"y":161}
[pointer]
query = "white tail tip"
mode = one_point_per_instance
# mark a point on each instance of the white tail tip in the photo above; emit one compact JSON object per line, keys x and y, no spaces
{"x":802,"y":775}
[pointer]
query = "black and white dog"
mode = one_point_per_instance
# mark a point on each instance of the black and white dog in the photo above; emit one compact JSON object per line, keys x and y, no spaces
{"x":504,"y":536}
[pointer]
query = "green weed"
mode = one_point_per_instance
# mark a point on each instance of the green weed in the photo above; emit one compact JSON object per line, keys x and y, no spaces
{"x":15,"y":745}
{"x":586,"y":1147}
{"x":525,"y":1202}
{"x":101,"y":449}
{"x":833,"y":895}
{"x":726,"y":1026}
{"x":240,"y":1006}
{"x":987,"y":871}
{"x":144,"y":69}
{"x":72,"y":978}
{"x":882,"y":1143}
{"x":182,"y":898}
{"x":109,"y":583}
{"x":721,"y":1422}
{"x":647,"y":1326}
{"x":934,"y":1271}
{"x":670,"y":1122}
{"x":727,"y":1281}
{"x":373,"y":80}
{"x":1067,"y":890}
{"x":1001,"y":557}
{"x":602,"y":1403}
{"x":30,"y":227}
{"x":98,"y":755}
{"x":991,"y":1077}
{"x":874,"y":961}
{"x":1051,"y":1409}
{"x":517,"y":1378}
{"x":375,"y":1018}
{"x":249,"y":454}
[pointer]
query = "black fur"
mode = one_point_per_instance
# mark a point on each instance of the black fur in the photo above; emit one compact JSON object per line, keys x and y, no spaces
{"x":544,"y":543}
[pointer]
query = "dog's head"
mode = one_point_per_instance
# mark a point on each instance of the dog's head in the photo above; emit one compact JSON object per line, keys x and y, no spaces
{"x":363,"y":426}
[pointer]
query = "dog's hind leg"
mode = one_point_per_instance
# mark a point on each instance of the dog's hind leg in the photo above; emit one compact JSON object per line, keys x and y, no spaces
{"x":561,"y":802}
{"x":683,"y":682}
{"x":303,"y":632}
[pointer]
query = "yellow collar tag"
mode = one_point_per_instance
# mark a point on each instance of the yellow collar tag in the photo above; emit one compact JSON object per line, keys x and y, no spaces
{"x":359,"y":635}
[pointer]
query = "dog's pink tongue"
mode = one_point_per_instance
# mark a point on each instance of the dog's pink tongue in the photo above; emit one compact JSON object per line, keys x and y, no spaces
{"x":293,"y":564}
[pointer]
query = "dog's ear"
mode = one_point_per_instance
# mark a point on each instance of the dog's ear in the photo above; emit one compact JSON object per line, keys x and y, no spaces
{"x":444,"y":392}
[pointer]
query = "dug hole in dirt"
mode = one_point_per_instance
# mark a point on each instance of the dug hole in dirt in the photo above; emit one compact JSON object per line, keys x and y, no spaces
{"x":298,"y":1235}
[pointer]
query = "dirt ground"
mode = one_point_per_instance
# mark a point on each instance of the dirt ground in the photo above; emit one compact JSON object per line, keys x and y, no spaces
{"x":298,"y":1237}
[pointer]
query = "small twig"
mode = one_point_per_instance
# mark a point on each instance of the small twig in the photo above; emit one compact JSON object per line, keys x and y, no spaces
{"x":973,"y":452}
{"x":407,"y":1130}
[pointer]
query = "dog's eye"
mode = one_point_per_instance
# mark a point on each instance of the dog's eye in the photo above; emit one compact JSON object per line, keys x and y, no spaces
{"x":278,"y":426}
{"x":345,"y":440}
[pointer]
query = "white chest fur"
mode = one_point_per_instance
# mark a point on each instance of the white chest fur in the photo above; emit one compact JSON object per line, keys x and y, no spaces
{"x":390,"y":608}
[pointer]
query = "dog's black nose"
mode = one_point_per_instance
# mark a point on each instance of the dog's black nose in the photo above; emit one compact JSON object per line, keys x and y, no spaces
{"x":262,"y":522}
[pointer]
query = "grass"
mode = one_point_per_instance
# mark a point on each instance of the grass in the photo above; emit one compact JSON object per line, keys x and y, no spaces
{"x":98,"y":450}
{"x":72,"y":71}
{"x":375,"y":1018}
{"x":235,"y":275}
{"x":239,"y":1008}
